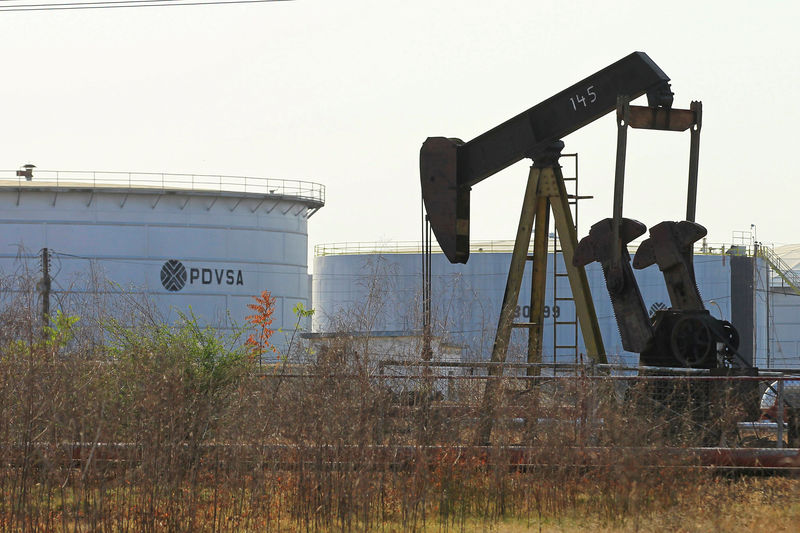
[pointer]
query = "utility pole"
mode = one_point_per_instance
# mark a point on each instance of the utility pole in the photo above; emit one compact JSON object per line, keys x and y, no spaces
{"x":45,"y":287}
{"x":754,"y":238}
{"x":766,"y":293}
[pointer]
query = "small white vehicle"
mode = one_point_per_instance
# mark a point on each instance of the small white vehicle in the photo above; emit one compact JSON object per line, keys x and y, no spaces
{"x":791,"y":399}
{"x":791,"y":408}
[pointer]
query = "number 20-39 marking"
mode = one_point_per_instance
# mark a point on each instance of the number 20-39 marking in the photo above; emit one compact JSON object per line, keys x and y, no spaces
{"x":580,"y":99}
{"x":526,"y":311}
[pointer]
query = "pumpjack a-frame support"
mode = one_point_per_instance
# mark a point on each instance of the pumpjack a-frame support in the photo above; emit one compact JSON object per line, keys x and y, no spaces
{"x":544,"y":192}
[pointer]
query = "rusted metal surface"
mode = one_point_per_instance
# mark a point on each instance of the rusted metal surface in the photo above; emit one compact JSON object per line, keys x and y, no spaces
{"x":523,"y":377}
{"x":545,"y":187}
{"x":686,"y":334}
{"x":517,"y":267}
{"x":661,"y":118}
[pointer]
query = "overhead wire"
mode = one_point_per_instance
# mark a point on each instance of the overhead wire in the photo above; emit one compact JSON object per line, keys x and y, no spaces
{"x":11,"y":5}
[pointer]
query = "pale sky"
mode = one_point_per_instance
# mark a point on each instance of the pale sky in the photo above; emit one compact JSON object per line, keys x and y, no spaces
{"x":344,"y":92}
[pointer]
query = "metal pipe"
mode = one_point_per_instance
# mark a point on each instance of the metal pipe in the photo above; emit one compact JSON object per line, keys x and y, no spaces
{"x":583,"y":378}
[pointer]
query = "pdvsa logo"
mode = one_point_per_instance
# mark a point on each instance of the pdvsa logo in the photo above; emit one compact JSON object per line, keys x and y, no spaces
{"x":174,"y":276}
{"x":658,"y":306}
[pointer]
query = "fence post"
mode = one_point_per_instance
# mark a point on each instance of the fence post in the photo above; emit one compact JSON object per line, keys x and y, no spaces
{"x":779,"y":399}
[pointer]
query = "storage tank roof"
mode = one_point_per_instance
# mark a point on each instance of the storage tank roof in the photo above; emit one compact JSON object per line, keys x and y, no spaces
{"x":790,"y":253}
{"x":148,"y":182}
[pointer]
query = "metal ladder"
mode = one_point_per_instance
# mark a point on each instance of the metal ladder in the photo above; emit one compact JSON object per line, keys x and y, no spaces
{"x":565,"y":346}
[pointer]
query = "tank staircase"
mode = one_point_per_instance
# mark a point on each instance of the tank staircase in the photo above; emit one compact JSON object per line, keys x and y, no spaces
{"x":788,"y":276}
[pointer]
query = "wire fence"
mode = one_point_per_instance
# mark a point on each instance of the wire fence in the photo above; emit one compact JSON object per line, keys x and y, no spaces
{"x":585,"y":404}
{"x":154,"y":439}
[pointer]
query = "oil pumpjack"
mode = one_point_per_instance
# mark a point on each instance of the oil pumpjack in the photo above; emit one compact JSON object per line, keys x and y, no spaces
{"x":685,"y":335}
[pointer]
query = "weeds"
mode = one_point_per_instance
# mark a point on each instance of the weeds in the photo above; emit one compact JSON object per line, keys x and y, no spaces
{"x":176,"y":428}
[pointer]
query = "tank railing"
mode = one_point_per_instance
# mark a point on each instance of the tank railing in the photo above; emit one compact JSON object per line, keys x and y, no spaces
{"x":494,"y":246}
{"x":300,"y":189}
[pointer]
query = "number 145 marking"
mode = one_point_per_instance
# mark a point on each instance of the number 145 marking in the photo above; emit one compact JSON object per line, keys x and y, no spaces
{"x":581,"y":99}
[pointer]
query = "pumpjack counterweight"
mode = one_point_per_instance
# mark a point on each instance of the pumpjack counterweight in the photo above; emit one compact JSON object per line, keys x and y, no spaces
{"x":670,"y":247}
{"x":633,"y":321}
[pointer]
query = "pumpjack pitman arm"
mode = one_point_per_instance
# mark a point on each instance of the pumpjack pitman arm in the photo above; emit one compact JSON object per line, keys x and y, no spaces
{"x":450,"y":167}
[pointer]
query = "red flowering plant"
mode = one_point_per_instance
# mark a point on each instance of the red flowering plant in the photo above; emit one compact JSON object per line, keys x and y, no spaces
{"x":258,"y":342}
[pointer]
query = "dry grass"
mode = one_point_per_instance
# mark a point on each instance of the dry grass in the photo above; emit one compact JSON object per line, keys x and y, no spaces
{"x":174,"y":429}
{"x":718,"y":504}
{"x":715,"y":504}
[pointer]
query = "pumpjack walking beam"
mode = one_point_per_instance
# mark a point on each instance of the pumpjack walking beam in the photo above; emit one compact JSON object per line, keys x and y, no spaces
{"x":450,"y":167}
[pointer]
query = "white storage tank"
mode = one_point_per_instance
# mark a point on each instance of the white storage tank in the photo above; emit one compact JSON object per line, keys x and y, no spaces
{"x":380,"y":284}
{"x":206,"y":242}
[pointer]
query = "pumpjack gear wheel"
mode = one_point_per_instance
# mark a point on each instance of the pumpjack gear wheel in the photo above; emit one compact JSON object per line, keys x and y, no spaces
{"x":692,"y":342}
